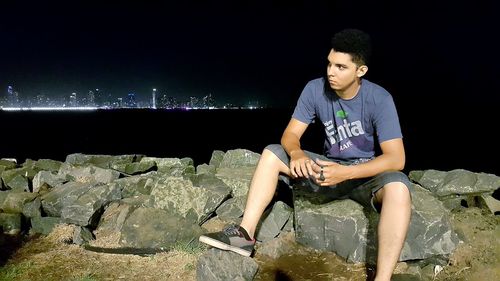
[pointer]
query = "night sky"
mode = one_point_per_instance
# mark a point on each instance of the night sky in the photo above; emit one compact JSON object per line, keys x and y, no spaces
{"x":437,"y":58}
{"x":265,"y":51}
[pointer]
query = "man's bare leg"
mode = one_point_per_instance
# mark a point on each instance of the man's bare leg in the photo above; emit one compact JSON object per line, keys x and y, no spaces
{"x":262,"y":188}
{"x":392,"y":227}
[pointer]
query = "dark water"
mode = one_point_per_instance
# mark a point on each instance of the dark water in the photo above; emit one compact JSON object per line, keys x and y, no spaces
{"x":157,"y":133}
{"x":197,"y":133}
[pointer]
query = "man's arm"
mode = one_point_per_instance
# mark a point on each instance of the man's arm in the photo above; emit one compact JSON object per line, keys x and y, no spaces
{"x":290,"y":140}
{"x":391,"y":159}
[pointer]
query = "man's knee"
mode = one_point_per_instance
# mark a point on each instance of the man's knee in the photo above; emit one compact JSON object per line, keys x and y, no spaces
{"x":396,"y":192}
{"x":275,"y":151}
{"x":275,"y":157}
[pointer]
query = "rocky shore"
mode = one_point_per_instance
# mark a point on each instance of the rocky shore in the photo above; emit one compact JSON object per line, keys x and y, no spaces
{"x":140,"y":205}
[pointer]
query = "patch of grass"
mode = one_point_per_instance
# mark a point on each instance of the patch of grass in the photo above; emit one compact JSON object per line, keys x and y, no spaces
{"x":86,"y":277}
{"x":191,"y":247}
{"x":11,"y":272}
{"x":189,"y":267}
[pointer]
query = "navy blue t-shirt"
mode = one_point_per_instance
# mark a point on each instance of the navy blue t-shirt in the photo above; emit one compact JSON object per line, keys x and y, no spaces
{"x":354,"y":126}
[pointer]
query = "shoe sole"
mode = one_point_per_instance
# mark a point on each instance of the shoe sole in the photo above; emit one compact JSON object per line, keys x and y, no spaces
{"x":223,"y":246}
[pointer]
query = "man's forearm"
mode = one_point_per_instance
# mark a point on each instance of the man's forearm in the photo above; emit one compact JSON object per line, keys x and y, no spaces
{"x":376,"y":166}
{"x":290,"y":143}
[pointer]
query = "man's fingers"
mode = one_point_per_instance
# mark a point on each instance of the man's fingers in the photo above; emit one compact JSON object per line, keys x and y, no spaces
{"x":309,"y":167}
{"x":321,"y":175}
{"x":292,"y":170}
{"x":297,"y":170}
{"x":302,"y":168}
{"x":305,"y":168}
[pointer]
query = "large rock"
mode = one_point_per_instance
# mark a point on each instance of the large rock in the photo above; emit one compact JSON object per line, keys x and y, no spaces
{"x":137,"y":184}
{"x":339,"y":226}
{"x":33,"y":209}
{"x":47,"y":178}
{"x":10,"y":223}
{"x":179,"y":196}
{"x":205,"y":169}
{"x":232,"y":208}
{"x":102,"y":161}
{"x":346,"y":228}
{"x":216,"y":265}
{"x":47,"y":165}
{"x":18,"y":183}
{"x":113,"y":218}
{"x":88,"y":174}
{"x":15,"y":201}
{"x":238,"y":179}
{"x":7,"y":164}
{"x":3,"y":196}
{"x":173,"y":166}
{"x":8,"y":176}
{"x":136,"y":167}
{"x":86,"y":210}
{"x":217,"y":156}
{"x":489,"y":203}
{"x":238,"y":158}
{"x":273,"y":221}
{"x":44,"y":225}
{"x":61,"y":196}
{"x":154,"y":228}
{"x":455,"y":182}
{"x":430,"y":231}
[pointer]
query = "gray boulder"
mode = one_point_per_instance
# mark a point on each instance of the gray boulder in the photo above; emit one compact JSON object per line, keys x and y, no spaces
{"x":346,"y":228}
{"x":216,"y":265}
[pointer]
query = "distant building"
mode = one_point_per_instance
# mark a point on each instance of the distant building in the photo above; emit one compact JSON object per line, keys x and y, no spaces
{"x":193,"y":102}
{"x":208,"y":101}
{"x":72,"y":100}
{"x":153,"y":99}
{"x":119,"y":103}
{"x":12,"y":97}
{"x":99,"y":99}
{"x":131,"y":101}
{"x":168,"y":102}
{"x":91,"y":98}
{"x":41,"y":100}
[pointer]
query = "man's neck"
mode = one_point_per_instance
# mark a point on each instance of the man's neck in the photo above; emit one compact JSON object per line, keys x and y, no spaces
{"x":351,"y":91}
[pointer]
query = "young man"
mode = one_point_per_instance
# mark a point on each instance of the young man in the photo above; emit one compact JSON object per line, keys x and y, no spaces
{"x":357,"y":115}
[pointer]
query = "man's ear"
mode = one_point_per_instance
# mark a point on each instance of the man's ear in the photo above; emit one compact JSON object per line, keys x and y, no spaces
{"x":361,"y":71}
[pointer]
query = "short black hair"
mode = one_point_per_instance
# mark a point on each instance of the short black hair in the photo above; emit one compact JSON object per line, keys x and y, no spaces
{"x":355,"y":42}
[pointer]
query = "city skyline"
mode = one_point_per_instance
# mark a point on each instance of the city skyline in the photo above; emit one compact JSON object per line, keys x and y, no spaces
{"x":141,"y":94}
{"x":95,"y":99}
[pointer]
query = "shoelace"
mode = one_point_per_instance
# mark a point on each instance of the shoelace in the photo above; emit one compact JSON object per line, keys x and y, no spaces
{"x":231,"y":230}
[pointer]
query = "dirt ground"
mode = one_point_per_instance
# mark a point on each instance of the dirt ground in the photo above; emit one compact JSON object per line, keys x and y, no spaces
{"x":53,"y":257}
{"x":478,"y":258}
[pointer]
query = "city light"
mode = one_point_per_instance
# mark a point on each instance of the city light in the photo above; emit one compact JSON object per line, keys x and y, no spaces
{"x":82,"y":108}
{"x":12,"y":100}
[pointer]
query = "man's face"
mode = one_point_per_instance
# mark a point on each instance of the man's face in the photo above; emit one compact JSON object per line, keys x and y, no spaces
{"x":341,"y":70}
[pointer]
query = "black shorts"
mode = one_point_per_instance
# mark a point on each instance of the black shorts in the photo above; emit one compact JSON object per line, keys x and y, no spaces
{"x":359,"y":190}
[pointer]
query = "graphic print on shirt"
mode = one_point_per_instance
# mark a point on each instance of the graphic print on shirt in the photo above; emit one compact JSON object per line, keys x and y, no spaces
{"x":342,"y":133}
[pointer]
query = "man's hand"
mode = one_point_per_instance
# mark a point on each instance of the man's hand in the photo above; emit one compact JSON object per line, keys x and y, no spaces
{"x":329,"y":173}
{"x":300,"y":164}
